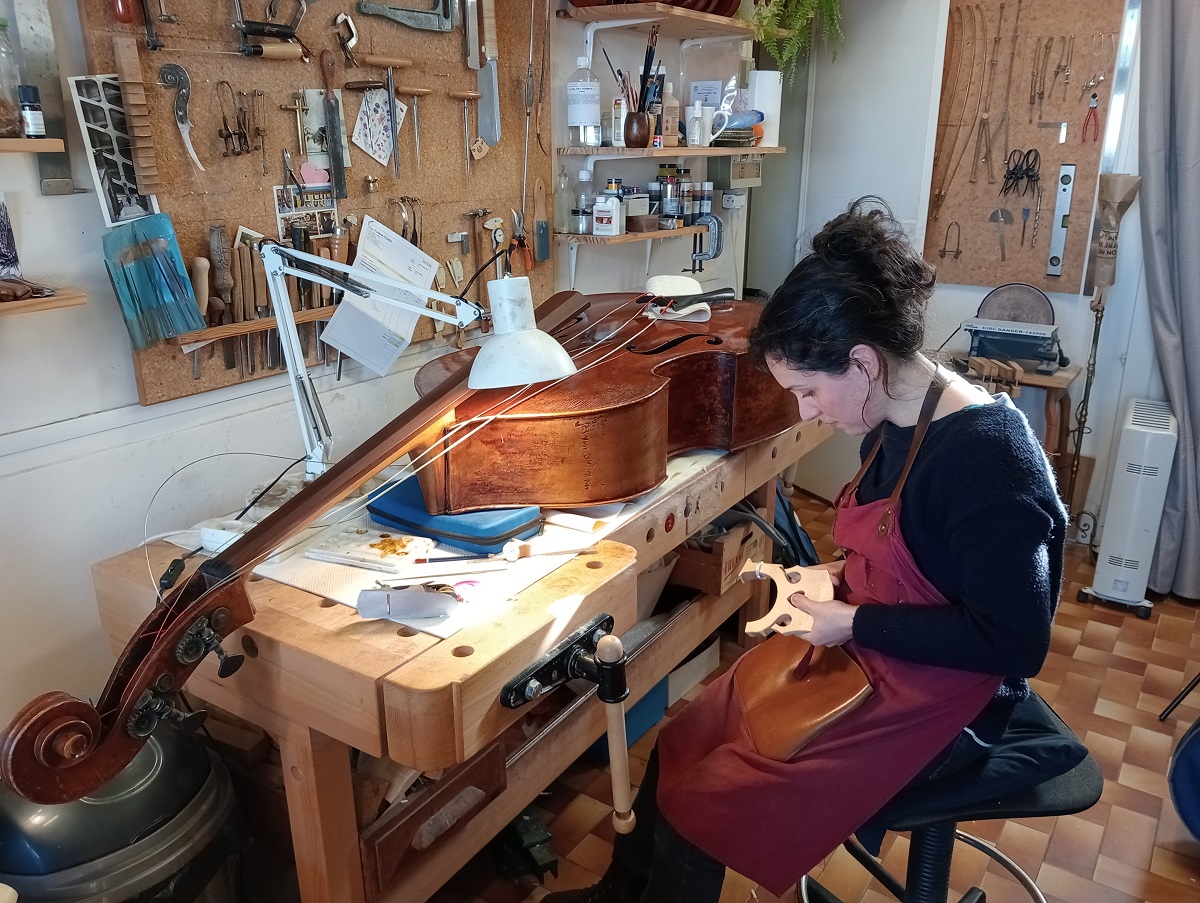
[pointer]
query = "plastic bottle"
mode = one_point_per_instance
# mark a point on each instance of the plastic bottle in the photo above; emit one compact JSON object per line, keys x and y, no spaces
{"x":694,"y":123}
{"x":606,"y":215}
{"x":685,"y":198}
{"x":583,"y":106}
{"x":670,"y":117}
{"x":564,"y":200}
{"x":10,"y":76}
{"x":585,"y":192}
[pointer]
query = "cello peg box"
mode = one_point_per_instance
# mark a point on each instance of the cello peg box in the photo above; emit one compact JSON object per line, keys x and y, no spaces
{"x":715,"y":570}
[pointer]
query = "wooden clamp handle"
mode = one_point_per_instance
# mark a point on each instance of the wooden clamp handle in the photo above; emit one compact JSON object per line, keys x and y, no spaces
{"x":464,"y":95}
{"x":281,"y":52}
{"x":410,"y":91}
{"x":385,"y":62}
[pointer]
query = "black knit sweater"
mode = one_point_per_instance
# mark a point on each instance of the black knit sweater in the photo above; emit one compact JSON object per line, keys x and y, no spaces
{"x":984,"y":523}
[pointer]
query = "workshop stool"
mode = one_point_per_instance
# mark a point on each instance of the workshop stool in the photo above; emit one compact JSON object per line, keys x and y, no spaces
{"x":924,"y":810}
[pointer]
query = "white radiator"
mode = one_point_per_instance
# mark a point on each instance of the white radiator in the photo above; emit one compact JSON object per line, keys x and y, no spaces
{"x":1144,"y":455}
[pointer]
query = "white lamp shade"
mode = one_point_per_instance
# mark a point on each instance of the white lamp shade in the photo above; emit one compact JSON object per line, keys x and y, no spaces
{"x":517,"y":353}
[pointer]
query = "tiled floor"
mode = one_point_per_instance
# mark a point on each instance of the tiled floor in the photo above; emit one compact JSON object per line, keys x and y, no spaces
{"x":1108,"y":675}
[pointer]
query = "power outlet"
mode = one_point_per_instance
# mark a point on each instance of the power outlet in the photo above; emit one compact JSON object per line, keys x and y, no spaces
{"x":732,"y":200}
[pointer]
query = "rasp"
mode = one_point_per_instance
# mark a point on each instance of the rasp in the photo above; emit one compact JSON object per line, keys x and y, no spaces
{"x":333,"y":126}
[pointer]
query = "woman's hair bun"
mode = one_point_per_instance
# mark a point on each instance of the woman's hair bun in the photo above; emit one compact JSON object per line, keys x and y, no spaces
{"x":868,"y":242}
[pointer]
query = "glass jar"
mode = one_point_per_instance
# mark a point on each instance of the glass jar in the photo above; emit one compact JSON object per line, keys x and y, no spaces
{"x":11,"y":124}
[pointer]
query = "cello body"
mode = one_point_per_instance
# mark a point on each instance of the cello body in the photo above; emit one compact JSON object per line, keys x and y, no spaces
{"x":605,"y":434}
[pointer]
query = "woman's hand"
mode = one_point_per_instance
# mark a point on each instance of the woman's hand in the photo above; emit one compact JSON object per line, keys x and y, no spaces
{"x":835,"y":569}
{"x":833,"y":622}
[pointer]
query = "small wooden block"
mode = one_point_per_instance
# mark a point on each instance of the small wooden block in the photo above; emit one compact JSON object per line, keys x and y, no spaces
{"x":784,"y":617}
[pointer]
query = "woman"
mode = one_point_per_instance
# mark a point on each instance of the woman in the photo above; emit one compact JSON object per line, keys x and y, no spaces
{"x":953,"y":537}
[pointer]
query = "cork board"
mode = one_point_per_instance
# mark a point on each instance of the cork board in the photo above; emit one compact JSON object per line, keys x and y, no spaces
{"x":1053,"y":48}
{"x":232,"y":191}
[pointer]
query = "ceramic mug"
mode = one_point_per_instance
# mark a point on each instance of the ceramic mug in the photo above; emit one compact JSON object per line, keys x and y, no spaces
{"x":711,"y":117}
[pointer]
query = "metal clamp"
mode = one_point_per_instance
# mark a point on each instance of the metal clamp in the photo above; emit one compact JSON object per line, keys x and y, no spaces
{"x":442,"y":16}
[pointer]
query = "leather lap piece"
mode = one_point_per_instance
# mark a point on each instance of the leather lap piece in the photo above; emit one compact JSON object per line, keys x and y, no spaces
{"x":791,"y":691}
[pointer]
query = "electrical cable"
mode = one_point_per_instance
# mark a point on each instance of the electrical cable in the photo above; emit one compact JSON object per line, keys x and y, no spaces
{"x":479,"y":271}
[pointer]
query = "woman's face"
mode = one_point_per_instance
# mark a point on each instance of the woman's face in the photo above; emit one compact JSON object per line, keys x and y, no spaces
{"x":836,"y":400}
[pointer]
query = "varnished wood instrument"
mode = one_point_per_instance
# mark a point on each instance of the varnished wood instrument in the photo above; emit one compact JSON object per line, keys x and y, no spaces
{"x":605,"y":434}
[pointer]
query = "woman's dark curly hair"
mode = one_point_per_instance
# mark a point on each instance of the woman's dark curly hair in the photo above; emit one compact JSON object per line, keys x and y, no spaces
{"x":863,"y":284}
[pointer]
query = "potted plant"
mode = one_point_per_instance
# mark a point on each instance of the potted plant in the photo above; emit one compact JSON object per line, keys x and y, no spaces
{"x":787,"y":28}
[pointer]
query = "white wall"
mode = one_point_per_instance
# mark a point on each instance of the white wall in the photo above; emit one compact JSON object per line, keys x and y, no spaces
{"x":80,"y":460}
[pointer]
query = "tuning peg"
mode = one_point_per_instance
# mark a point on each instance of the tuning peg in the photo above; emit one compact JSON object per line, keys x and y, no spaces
{"x":229,"y":664}
{"x":152,"y":708}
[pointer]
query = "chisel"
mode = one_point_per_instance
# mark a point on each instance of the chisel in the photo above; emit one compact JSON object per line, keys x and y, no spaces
{"x":333,"y":126}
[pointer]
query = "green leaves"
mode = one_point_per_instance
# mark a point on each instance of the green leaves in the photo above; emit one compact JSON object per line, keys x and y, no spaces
{"x":787,"y":28}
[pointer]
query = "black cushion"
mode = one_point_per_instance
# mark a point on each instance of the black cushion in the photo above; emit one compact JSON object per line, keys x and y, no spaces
{"x":1038,"y":767}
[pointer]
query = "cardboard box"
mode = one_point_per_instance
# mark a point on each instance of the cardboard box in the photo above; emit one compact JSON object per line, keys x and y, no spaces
{"x":715,"y":571}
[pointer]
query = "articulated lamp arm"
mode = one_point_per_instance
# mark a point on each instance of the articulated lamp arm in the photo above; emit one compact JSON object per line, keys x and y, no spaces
{"x":281,"y":262}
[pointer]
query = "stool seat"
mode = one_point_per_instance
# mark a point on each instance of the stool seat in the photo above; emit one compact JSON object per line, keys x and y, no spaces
{"x":1077,"y":790}
{"x":1038,"y":768}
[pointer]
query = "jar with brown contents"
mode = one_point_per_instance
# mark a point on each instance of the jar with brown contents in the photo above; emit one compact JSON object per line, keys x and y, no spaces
{"x":10,"y":77}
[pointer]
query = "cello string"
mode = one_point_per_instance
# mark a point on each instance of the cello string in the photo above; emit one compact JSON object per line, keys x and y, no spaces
{"x":350,"y":509}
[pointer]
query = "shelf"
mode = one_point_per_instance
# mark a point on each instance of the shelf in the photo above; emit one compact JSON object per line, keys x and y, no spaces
{"x":64,"y":298}
{"x":32,"y":146}
{"x":665,"y":151}
{"x":673,"y":21}
{"x":229,"y":330}
{"x":628,"y":237}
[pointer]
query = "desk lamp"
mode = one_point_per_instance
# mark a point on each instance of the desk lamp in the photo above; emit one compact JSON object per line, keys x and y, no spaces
{"x":516,"y":354}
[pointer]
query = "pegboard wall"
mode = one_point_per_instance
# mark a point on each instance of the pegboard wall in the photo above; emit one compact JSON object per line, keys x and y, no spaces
{"x":1044,"y":59}
{"x":233,"y":190}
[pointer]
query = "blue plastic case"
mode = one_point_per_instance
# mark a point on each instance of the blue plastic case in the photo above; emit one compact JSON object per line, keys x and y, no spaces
{"x":402,"y":508}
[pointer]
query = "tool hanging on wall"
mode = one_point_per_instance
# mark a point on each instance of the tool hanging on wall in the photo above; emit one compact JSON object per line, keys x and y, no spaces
{"x":260,"y":125}
{"x":488,"y":77}
{"x":1002,"y":217}
{"x":541,"y":224}
{"x":1062,"y":218}
{"x":175,"y":76}
{"x":983,"y":135}
{"x":545,"y":68}
{"x":333,"y":126}
{"x":1064,"y":65}
{"x":164,"y":16}
{"x":152,"y":40}
{"x":249,"y":28}
{"x":1092,"y":118}
{"x":466,"y":97}
{"x":528,"y":111}
{"x":1045,"y":64}
{"x":347,"y":37}
{"x":949,"y":168}
{"x":440,"y":18}
{"x":1001,"y":125}
{"x":289,"y":179}
{"x":415,"y":94}
{"x":945,"y":248}
{"x":300,"y":107}
{"x":1107,"y":58}
{"x":225,"y":133}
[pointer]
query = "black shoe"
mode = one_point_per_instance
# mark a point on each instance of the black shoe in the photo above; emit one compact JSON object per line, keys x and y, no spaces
{"x":620,"y":884}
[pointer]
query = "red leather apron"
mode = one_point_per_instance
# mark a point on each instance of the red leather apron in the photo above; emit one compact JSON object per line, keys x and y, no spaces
{"x":774,"y":821}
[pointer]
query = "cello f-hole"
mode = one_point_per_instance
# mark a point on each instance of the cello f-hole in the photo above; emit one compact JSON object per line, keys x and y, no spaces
{"x":676,"y":342}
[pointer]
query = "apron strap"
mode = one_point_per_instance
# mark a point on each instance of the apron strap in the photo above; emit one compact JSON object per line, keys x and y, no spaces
{"x":932,"y":396}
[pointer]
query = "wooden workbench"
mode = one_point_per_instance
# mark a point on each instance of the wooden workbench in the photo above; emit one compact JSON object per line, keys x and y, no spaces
{"x":322,"y":681}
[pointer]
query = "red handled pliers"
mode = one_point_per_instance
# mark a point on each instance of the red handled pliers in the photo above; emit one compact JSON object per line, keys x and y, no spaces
{"x":1092,"y":117}
{"x":518,"y":241}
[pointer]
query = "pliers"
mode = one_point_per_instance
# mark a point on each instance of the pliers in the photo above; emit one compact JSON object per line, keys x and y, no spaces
{"x":1093,"y":117}
{"x":290,"y":179}
{"x":518,"y":240}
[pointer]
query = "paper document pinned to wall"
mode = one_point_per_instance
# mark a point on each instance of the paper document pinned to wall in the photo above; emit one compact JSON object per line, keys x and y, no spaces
{"x":374,"y":332}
